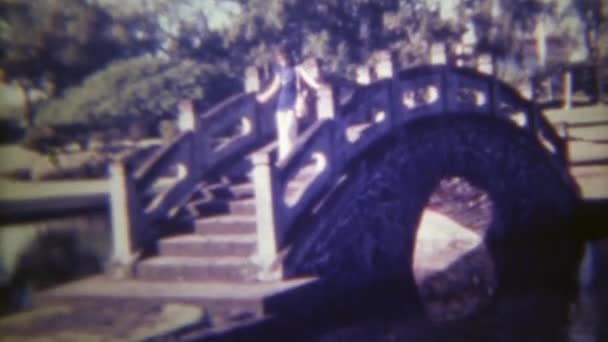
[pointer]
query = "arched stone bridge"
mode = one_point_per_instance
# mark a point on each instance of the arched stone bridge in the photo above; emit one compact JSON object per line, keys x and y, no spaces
{"x":345,"y":204}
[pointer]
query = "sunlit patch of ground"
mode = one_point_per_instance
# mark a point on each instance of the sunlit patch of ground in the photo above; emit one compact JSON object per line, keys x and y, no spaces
{"x":91,"y":322}
{"x":452,"y":267}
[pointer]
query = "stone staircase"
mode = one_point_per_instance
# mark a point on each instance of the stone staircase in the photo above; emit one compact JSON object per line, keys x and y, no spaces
{"x":224,"y":240}
{"x":222,"y":243}
{"x":211,"y":266}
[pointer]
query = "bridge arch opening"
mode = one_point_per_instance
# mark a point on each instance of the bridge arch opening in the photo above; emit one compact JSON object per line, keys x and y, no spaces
{"x":452,"y":267}
{"x":365,"y":233}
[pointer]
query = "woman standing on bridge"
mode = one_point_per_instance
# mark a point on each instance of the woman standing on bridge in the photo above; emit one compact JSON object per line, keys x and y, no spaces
{"x":286,"y":82}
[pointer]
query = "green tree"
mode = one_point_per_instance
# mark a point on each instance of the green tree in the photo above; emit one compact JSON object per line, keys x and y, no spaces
{"x":593,"y":16}
{"x":56,"y":42}
{"x":142,"y":89}
{"x":503,"y":32}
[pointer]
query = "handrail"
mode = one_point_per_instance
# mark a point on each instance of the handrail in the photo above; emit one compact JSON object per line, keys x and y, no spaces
{"x":239,"y":123}
{"x":375,"y":109}
{"x":157,"y":164}
{"x":223,"y":106}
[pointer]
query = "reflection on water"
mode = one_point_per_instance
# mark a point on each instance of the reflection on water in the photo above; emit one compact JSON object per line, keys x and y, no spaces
{"x":35,"y":255}
{"x":92,"y":231}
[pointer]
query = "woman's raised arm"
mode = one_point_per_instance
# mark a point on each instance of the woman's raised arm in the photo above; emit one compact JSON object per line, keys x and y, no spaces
{"x":270,"y":91}
{"x":308,"y":79}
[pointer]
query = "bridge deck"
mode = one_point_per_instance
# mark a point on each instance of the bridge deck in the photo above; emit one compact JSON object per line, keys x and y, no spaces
{"x":588,"y":132}
{"x":593,"y":180}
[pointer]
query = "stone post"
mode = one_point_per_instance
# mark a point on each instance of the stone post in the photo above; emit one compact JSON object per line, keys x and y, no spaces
{"x":186,"y":119}
{"x":541,"y":41}
{"x":527,"y":91}
{"x":438,"y":54}
{"x":268,"y":218}
{"x":252,"y":79}
{"x":484,"y":64}
{"x":384,"y":66}
{"x":188,"y":122}
{"x":567,"y":89}
{"x":325,"y":102}
{"x":364,"y":76}
{"x":459,"y":54}
{"x":125,"y":215}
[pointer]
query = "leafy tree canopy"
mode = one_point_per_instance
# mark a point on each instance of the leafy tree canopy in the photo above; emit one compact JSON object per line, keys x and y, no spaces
{"x":61,"y":40}
{"x":141,"y":88}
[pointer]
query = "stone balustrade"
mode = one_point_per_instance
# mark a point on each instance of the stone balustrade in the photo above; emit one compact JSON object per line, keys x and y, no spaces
{"x":345,"y":132}
{"x":240,"y":125}
{"x":233,"y":128}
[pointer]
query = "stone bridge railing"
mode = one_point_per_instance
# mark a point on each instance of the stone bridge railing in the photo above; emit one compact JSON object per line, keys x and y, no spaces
{"x":347,"y":125}
{"x":344,"y":132}
{"x":206,"y":143}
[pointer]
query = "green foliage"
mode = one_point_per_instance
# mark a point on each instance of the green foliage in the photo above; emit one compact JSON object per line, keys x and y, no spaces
{"x":140,"y":88}
{"x":68,"y":39}
{"x":60,"y":40}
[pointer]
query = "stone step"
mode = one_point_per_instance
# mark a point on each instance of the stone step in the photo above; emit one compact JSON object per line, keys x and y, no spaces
{"x":242,"y":207}
{"x":196,"y":245}
{"x":226,"y":224}
{"x":224,"y":301}
{"x":245,"y":190}
{"x":170,"y":268}
{"x":215,"y":207}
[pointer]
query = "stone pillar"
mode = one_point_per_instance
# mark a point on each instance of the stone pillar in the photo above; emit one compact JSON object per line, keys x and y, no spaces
{"x":198,"y":149}
{"x":438,"y":54}
{"x":267,"y":212}
{"x":568,"y":89}
{"x":384,"y":68}
{"x":459,"y":54}
{"x":484,"y":64}
{"x":364,"y":76}
{"x":252,"y":79}
{"x":125,"y":215}
{"x":541,"y":41}
{"x":186,"y":119}
{"x":527,"y":91}
{"x":325,"y":102}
